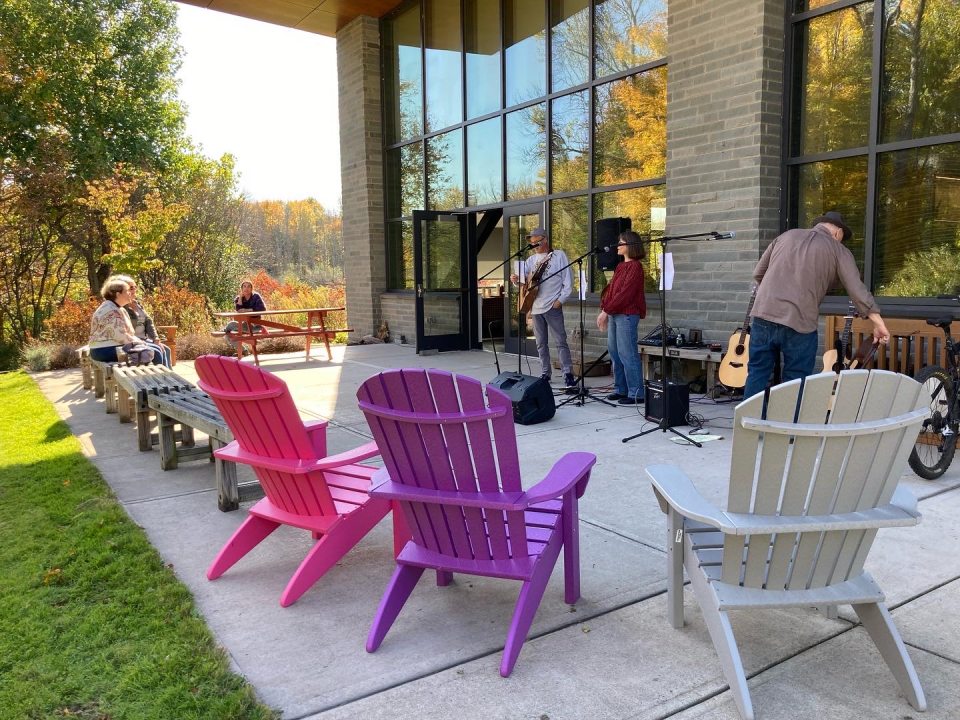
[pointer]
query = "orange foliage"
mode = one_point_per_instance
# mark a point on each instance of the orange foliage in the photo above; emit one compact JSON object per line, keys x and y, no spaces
{"x":172,"y":305}
{"x":263,"y":283}
{"x":70,"y":323}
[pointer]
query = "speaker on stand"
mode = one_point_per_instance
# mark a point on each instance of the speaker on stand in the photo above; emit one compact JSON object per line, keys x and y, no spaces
{"x":608,"y":232}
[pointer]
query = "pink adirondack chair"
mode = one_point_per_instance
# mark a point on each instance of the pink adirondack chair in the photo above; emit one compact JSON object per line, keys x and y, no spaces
{"x":329,"y":496}
{"x":460,"y":493}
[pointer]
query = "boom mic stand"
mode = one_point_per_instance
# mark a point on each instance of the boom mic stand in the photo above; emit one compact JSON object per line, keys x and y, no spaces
{"x":522,"y":340}
{"x":582,"y":395}
{"x":664,"y":423}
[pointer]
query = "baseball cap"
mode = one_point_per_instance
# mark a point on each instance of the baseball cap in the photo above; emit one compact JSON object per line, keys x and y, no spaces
{"x":537,"y":232}
{"x":835,"y":218}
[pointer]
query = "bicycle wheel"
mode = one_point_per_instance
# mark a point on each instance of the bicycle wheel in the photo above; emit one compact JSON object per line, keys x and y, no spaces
{"x":934,"y":449}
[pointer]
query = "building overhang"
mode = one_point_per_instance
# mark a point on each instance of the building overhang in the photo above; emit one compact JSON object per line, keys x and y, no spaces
{"x":323,"y":17}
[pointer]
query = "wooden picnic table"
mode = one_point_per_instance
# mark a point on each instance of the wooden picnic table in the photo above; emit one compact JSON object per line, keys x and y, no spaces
{"x":315,"y":328}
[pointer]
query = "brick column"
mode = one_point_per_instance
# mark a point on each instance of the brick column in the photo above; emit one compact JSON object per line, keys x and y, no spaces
{"x":724,"y":112}
{"x":361,"y":171}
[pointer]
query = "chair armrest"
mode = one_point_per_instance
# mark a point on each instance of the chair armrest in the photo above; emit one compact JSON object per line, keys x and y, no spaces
{"x":674,"y":490}
{"x":564,"y":474}
{"x":317,"y":432}
{"x":232,"y":452}
{"x":384,"y":487}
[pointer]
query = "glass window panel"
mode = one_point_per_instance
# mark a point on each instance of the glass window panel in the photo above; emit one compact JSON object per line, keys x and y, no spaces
{"x":835,"y":185}
{"x":482,"y":38}
{"x":921,"y":70}
{"x":630,"y":128}
{"x":526,"y":152}
{"x":800,"y":6}
{"x":569,"y":231}
{"x":400,"y":255}
{"x":628,"y":33}
{"x":569,"y":43}
{"x":832,"y":86}
{"x":442,"y":58}
{"x":647,"y":209}
{"x":570,"y":142}
{"x":445,"y":171}
{"x":918,"y":222}
{"x":405,"y":180}
{"x":484,"y":163}
{"x":402,"y":76}
{"x":524,"y":37}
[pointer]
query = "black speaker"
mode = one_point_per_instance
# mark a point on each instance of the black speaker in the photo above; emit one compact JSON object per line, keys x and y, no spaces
{"x":608,"y":230}
{"x":678,"y":402}
{"x":532,"y":397}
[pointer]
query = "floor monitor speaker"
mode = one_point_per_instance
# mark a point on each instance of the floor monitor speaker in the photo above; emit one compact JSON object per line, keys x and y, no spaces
{"x":608,"y":232}
{"x":677,"y":402}
{"x":532,"y":397}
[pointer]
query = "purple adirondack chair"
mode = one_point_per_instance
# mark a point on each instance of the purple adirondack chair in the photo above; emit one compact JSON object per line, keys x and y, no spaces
{"x":460,"y":493}
{"x":329,"y":496}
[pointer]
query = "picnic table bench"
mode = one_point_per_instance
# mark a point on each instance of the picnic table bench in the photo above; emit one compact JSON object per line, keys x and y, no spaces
{"x":315,"y":328}
{"x":193,"y":409}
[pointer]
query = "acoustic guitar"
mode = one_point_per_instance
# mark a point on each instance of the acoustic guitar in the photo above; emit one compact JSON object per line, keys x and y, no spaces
{"x":733,"y":368}
{"x":838,"y":358}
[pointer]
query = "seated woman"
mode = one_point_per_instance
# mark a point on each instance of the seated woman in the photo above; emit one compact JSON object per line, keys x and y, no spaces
{"x":110,"y":327}
{"x":143,"y":326}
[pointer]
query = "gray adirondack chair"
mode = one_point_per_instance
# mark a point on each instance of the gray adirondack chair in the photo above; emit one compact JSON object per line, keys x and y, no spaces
{"x":810,"y":485}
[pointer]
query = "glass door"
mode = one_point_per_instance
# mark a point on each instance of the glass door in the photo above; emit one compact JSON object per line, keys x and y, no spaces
{"x":445,"y":291}
{"x":517,"y":224}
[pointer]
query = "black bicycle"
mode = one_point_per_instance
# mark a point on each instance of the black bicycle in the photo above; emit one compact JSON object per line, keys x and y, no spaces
{"x":937,"y":440}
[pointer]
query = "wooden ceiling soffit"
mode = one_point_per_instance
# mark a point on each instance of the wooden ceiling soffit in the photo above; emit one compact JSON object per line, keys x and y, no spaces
{"x":324,"y":17}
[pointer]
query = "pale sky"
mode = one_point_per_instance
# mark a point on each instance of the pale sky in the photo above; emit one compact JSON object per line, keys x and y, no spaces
{"x":268,"y":95}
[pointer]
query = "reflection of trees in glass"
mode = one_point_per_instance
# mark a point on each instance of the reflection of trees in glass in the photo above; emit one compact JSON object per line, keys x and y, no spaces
{"x":630,"y":136}
{"x":402,"y":73}
{"x":526,"y":152}
{"x":568,"y":230}
{"x":835,"y":185}
{"x":570,"y":142}
{"x":921,"y":93}
{"x":638,"y":204}
{"x":400,"y":255}
{"x":570,"y":42}
{"x":525,"y":42}
{"x":629,"y":33}
{"x":484,"y":163}
{"x":834,"y":88}
{"x":411,"y":178}
{"x":441,"y":254}
{"x":445,"y":171}
{"x":918,"y":221}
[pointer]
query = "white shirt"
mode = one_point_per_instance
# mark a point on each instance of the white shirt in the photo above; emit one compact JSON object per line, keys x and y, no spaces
{"x":553,"y":288}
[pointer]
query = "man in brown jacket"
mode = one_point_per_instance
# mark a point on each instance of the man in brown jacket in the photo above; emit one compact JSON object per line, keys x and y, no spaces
{"x":794,"y":274}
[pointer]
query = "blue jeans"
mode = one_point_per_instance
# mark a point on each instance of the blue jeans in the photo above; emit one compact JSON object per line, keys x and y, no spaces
{"x":767,"y":341}
{"x":161,"y":353}
{"x":104,"y":354}
{"x":552,"y":319}
{"x":622,"y":346}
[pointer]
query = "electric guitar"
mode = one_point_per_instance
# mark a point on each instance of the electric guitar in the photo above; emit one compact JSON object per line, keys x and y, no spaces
{"x":733,"y":368}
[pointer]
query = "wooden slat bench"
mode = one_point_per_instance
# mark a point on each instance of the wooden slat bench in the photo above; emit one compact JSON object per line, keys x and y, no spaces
{"x":193,"y":409}
{"x":134,"y":384}
{"x":913,"y":344}
{"x":86,"y":371}
{"x":104,"y":385}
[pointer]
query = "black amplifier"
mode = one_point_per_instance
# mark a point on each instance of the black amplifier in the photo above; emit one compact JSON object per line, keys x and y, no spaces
{"x":677,"y":402}
{"x":532,"y":397}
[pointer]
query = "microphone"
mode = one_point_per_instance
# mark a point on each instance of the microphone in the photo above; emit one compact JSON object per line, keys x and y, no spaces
{"x":729,"y":235}
{"x":610,"y":248}
{"x":531,"y":246}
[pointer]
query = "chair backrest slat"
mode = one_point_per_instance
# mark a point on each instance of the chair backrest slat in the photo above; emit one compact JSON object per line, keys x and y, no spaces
{"x":777,"y":472}
{"x":469,"y":456}
{"x":260,"y":412}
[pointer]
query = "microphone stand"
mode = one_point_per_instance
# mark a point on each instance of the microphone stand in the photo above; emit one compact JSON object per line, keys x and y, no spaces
{"x":664,"y":423}
{"x":582,"y":395}
{"x":522,"y":340}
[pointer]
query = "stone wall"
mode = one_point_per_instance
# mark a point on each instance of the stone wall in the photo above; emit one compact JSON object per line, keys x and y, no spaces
{"x":361,"y":171}
{"x":724,"y":111}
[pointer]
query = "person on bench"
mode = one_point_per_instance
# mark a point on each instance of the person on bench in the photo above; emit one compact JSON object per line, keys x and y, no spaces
{"x":110,"y":326}
{"x":143,"y":326}
{"x":246,"y":301}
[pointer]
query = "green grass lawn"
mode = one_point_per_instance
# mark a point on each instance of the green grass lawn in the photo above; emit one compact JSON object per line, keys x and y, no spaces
{"x":92,"y":624}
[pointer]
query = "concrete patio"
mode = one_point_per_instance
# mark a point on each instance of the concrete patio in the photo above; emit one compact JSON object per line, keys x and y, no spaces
{"x":613,"y":655}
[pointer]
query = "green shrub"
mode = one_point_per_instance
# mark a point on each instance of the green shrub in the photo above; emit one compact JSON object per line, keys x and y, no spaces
{"x":193,"y":345}
{"x":63,"y":357}
{"x":36,"y":358}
